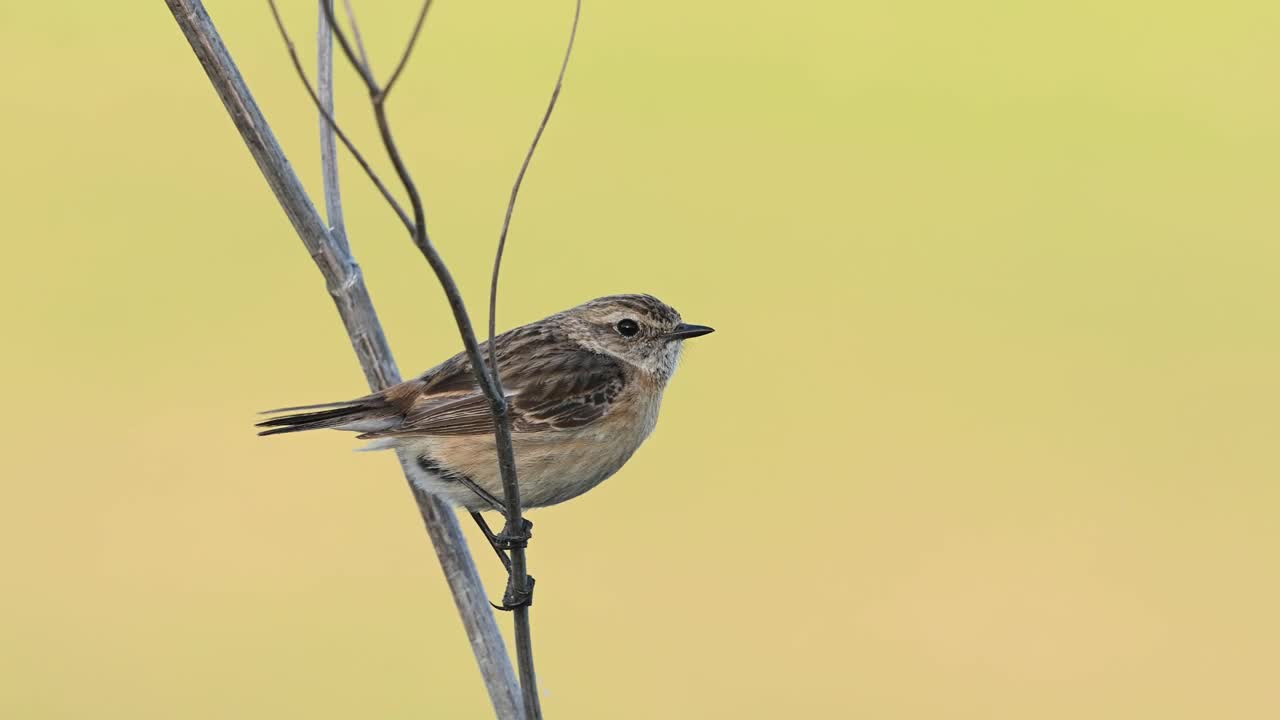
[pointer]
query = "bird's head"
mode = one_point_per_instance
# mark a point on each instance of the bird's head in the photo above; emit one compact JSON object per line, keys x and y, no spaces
{"x":640,"y":330}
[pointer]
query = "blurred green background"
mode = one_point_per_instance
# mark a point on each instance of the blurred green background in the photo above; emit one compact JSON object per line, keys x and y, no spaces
{"x":989,"y":428}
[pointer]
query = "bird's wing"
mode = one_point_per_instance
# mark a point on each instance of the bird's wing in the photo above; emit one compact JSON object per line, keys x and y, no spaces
{"x":551,"y":388}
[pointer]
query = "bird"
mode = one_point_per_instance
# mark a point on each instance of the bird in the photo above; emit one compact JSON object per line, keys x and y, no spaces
{"x":583,"y":389}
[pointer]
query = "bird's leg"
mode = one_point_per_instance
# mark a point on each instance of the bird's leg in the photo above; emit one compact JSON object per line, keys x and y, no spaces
{"x":501,"y":542}
{"x":493,"y":540}
{"x":481,"y":493}
{"x":507,"y":538}
{"x":513,"y":597}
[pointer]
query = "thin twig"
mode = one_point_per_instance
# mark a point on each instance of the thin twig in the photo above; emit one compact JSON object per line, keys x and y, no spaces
{"x":493,"y":539}
{"x":355,"y":30}
{"x":327,"y":114}
{"x":515,"y":191}
{"x":408,"y":50}
{"x":346,"y":286}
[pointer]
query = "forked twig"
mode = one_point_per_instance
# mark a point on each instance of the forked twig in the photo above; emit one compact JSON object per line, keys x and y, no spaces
{"x":333,"y":123}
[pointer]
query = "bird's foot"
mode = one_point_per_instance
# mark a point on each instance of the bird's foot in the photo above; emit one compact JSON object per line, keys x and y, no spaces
{"x":509,"y":538}
{"x":516,"y":597}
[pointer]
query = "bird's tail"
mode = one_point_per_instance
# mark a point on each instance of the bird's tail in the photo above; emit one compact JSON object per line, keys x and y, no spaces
{"x":366,"y":414}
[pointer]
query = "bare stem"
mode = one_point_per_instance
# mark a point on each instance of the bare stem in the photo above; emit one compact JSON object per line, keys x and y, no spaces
{"x":346,"y":286}
{"x":515,"y":192}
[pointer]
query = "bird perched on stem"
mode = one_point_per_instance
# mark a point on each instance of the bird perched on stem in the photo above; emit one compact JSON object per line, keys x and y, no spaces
{"x":583,"y":386}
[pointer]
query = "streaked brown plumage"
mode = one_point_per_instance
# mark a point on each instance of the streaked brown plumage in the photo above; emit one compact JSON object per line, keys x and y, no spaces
{"x":584,"y":388}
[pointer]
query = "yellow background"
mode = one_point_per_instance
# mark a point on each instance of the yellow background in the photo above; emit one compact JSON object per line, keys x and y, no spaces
{"x":989,"y":428}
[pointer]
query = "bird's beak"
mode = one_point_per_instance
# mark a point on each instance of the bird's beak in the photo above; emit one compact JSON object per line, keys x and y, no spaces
{"x":684,"y":331}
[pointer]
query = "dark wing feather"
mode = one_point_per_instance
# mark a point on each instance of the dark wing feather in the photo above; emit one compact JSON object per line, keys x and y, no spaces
{"x":551,"y":384}
{"x":578,"y":392}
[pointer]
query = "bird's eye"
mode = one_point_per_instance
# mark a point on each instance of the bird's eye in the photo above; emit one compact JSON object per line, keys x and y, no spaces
{"x":628,"y":327}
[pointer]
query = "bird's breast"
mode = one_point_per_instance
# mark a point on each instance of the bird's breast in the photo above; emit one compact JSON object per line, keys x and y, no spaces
{"x":556,"y":466}
{"x":553,"y":465}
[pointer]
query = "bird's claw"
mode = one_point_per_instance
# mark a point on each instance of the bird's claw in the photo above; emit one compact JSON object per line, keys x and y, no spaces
{"x":510,"y":539}
{"x":516,"y":598}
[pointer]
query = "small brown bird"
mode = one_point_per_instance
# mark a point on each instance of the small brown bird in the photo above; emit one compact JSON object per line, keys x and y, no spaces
{"x":584,"y":387}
